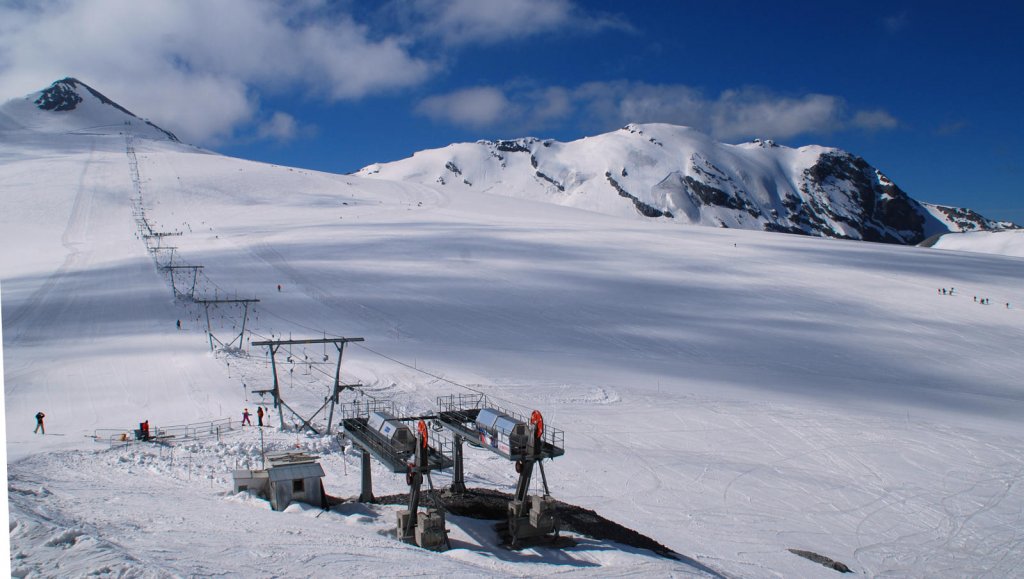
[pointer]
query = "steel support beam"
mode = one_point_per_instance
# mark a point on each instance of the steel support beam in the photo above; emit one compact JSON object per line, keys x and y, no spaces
{"x":459,"y":477}
{"x":366,"y":491}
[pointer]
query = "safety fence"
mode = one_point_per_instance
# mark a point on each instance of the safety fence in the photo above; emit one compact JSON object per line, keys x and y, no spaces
{"x":165,"y":434}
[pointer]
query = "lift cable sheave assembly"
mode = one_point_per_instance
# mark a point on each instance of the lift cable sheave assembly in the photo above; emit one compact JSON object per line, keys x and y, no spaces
{"x":527,"y":442}
{"x":375,"y":429}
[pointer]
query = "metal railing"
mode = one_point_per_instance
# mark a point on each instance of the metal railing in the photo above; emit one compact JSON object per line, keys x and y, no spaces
{"x":463,"y":402}
{"x":365,"y":408}
{"x":355,"y":416}
{"x":194,"y":431}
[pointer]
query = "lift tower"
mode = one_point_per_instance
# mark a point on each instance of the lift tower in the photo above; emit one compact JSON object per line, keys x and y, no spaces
{"x":195,"y":276}
{"x":206,"y":303}
{"x":332,"y":399}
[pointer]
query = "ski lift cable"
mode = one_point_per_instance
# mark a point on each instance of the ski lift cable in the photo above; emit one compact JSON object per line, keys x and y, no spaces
{"x":331,"y":376}
{"x":420,"y":370}
{"x":268,"y":312}
{"x":372,"y":351}
{"x":205,"y":279}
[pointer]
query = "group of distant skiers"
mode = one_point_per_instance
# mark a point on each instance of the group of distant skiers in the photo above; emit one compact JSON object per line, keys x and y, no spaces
{"x":983,"y":301}
{"x":259,"y":416}
{"x":988,"y":302}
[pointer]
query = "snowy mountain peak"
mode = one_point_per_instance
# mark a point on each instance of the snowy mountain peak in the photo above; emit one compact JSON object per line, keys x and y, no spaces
{"x":71,"y":106}
{"x":663,"y":171}
{"x":765,"y":143}
{"x":61,"y":96}
{"x":64,"y":95}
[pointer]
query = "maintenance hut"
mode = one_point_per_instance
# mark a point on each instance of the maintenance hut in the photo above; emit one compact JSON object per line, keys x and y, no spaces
{"x":291,"y":477}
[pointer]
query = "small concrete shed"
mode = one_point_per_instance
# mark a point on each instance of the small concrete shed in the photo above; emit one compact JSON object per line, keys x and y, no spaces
{"x":296,"y":482}
{"x":254,"y":481}
{"x":292,"y":477}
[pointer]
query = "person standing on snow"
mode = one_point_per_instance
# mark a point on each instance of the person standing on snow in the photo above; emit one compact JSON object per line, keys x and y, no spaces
{"x":259,"y":415}
{"x":245,"y":417}
{"x":39,"y":422}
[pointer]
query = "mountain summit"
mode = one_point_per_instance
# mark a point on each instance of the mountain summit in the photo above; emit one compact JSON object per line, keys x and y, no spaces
{"x":660,"y":171}
{"x":71,"y":106}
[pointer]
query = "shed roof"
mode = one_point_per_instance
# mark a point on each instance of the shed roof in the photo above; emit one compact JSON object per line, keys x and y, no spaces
{"x":249,"y":474}
{"x":289,"y":457}
{"x":296,"y":471}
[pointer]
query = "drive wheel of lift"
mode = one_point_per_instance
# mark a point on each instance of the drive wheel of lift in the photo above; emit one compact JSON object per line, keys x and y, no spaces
{"x":537,"y":419}
{"x":519,"y":467}
{"x":422,"y":428}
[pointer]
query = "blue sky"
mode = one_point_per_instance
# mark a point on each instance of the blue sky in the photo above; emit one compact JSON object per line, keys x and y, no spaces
{"x":929,"y":92}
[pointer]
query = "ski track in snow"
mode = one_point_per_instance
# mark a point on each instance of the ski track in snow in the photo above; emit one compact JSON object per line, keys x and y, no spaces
{"x":71,"y":238}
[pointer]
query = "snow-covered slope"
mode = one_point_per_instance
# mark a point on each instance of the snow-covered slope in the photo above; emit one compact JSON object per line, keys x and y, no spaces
{"x":679,"y":174}
{"x":731,"y":394}
{"x":1010,"y":242}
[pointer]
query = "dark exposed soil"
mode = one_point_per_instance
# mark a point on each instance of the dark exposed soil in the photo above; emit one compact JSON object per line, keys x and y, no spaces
{"x":493,"y":505}
{"x":487,"y":504}
{"x":822,"y":560}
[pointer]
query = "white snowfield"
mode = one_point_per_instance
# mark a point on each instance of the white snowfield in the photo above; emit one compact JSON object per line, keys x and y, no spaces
{"x":1008,"y":242}
{"x":730,"y":394}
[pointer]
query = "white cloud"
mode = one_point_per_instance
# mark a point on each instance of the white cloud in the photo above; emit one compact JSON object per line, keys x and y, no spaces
{"x":874,"y":120}
{"x":473,"y":107}
{"x":619,"y":102}
{"x":197,"y":67}
{"x":951,"y":128}
{"x":742,"y":113}
{"x":197,"y":108}
{"x":549,"y":105}
{"x":734,"y":114}
{"x":460,"y":22}
{"x":280,"y":127}
{"x":529,"y":108}
{"x":895,"y":23}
